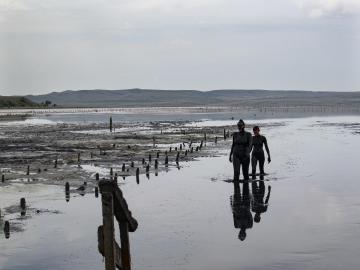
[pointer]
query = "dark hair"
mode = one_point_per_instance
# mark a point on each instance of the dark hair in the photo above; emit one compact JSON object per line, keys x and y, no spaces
{"x":256,"y":128}
{"x":241,"y":122}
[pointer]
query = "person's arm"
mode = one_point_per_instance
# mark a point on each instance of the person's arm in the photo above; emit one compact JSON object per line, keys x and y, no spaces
{"x":267,"y":149}
{"x":250,"y":144}
{"x":232,"y":148}
{"x":268,"y":195}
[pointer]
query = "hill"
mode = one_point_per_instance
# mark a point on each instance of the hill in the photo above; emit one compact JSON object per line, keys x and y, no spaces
{"x":16,"y":102}
{"x":150,"y":97}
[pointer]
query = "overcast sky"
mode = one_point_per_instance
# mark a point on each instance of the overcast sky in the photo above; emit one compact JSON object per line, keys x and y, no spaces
{"x":54,"y":45}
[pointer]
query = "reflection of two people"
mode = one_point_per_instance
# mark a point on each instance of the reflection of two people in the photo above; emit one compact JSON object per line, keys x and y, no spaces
{"x":242,"y":201}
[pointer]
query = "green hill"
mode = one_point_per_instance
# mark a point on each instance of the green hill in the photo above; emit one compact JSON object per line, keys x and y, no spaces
{"x":16,"y":102}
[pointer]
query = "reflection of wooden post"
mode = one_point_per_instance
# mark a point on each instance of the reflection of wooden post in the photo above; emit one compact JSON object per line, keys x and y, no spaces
{"x":108,"y":230}
{"x":125,"y":245}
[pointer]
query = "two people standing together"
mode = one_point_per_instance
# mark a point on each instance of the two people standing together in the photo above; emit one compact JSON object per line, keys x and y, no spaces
{"x":244,"y":144}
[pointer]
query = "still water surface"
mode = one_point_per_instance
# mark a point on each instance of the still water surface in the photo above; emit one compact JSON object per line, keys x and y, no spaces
{"x":190,"y":218}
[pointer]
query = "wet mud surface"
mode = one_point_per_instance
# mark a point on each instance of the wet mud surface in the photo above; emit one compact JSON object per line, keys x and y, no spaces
{"x":303,"y":215}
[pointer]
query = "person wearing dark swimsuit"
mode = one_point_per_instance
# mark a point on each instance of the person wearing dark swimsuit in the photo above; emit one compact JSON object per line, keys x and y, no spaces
{"x":240,"y":151}
{"x":258,"y":141}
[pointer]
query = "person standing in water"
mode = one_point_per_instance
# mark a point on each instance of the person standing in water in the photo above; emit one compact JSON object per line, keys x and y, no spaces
{"x":258,"y":141}
{"x":240,"y":151}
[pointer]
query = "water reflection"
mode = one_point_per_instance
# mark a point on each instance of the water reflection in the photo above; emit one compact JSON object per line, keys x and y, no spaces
{"x":240,"y":205}
{"x":243,"y":203}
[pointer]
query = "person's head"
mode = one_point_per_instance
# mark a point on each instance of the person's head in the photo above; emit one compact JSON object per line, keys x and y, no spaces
{"x":256,"y":130}
{"x":257,"y":217}
{"x":242,"y":235}
{"x":241,"y":124}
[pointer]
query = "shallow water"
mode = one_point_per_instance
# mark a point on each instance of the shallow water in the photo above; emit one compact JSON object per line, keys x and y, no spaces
{"x":185,"y":216}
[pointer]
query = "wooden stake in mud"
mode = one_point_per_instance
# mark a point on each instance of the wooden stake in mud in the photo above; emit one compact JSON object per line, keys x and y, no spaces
{"x":216,"y":140}
{"x":170,"y":150}
{"x":23,"y":203}
{"x":156,"y":164}
{"x":158,"y":154}
{"x":205,"y":136}
{"x":166,"y":160}
{"x":197,"y":148}
{"x":153,"y":141}
{"x":180,"y":146}
{"x":149,"y":158}
{"x":186,"y":152}
{"x":175,"y":148}
{"x":123,"y":168}
{"x":143,"y":161}
{"x":56,"y":162}
{"x":111,"y":124}
{"x":132,"y":164}
{"x":111,"y":171}
{"x":192,"y":150}
{"x":137,"y":175}
{"x":148,"y":168}
{"x":177,"y":157}
{"x":201,"y":145}
{"x":108,"y":230}
{"x":224,"y":134}
{"x":67,"y":191}
{"x":3,"y":178}
{"x":7,"y":229}
{"x":28,"y":170}
{"x":96,"y":192}
{"x":97,"y":176}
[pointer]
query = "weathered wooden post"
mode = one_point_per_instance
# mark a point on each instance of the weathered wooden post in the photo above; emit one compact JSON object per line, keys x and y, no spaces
{"x":166,"y":160}
{"x":116,"y":177}
{"x":197,"y":148}
{"x":175,"y":148}
{"x":28,"y":170}
{"x":186,"y":152}
{"x":177,"y":157}
{"x":147,"y":168}
{"x":156,"y":164}
{"x":158,"y":154}
{"x":22,"y":203}
{"x":97,"y":176}
{"x":180,"y":146}
{"x":205,"y":136}
{"x":132,"y":164}
{"x":216,"y":140}
{"x":3,"y":178}
{"x":170,"y":150}
{"x":7,"y":229}
{"x":192,"y":149}
{"x":137,"y":175}
{"x":108,"y":229}
{"x":111,"y":171}
{"x":149,"y":158}
{"x":143,"y":161}
{"x":111,"y":124}
{"x":153,"y":141}
{"x":224,"y":134}
{"x":56,"y":162}
{"x":123,"y":168}
{"x":96,"y":192}
{"x":201,"y":145}
{"x":67,"y":191}
{"x":39,"y":170}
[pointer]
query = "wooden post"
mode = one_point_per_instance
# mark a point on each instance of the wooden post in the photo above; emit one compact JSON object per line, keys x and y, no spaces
{"x":23,"y":203}
{"x":216,"y":140}
{"x":158,"y":154}
{"x":56,"y":162}
{"x":111,"y":171}
{"x":111,"y":124}
{"x":143,"y":161}
{"x":132,"y":164}
{"x":78,"y":158}
{"x":149,"y":158}
{"x":224,"y":134}
{"x":108,"y":230}
{"x":67,"y":191}
{"x":97,"y":176}
{"x":156,"y":164}
{"x":166,"y":160}
{"x":28,"y":170}
{"x":180,"y":146}
{"x":123,"y":168}
{"x":125,"y":245}
{"x":148,"y":168}
{"x":96,"y":192}
{"x":3,"y":178}
{"x":137,"y":175}
{"x":177,"y":157}
{"x":7,"y":229}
